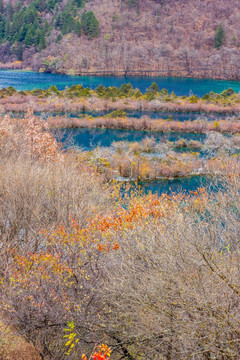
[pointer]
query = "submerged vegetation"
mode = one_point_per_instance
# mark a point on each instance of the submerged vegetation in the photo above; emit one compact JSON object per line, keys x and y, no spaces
{"x":202,"y":125}
{"x":149,"y":159}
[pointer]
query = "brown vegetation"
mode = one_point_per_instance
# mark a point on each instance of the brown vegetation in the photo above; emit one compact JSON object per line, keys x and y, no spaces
{"x":129,"y":163}
{"x":165,"y":38}
{"x":15,"y":347}
{"x":175,"y":38}
{"x":146,"y":124}
{"x":85,"y":100}
{"x":155,"y":277}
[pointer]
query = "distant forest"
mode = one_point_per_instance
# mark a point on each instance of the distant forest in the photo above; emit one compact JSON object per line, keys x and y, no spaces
{"x":27,"y":26}
{"x":169,"y":37}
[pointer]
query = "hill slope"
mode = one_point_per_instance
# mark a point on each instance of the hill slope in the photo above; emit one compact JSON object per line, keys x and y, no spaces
{"x":177,"y":37}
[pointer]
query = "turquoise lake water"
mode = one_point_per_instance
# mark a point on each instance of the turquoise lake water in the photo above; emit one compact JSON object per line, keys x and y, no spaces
{"x":23,"y":80}
{"x":88,"y":139}
{"x":168,"y":186}
{"x":178,"y":116}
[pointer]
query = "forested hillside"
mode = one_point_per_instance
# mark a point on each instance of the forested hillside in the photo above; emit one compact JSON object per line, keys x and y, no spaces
{"x":175,"y":37}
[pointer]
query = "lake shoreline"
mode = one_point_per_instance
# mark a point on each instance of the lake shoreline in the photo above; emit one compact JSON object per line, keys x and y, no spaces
{"x":202,"y":74}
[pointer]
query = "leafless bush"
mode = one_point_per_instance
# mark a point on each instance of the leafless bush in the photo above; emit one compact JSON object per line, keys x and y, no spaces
{"x":173,"y":287}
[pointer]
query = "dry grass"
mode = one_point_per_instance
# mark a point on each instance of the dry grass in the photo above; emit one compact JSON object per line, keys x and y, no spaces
{"x":15,"y":347}
{"x":158,"y":276}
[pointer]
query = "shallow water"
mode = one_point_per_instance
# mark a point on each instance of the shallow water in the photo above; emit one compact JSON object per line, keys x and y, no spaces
{"x":88,"y":139}
{"x":171,"y":115}
{"x":167,"y":186}
{"x":23,"y":80}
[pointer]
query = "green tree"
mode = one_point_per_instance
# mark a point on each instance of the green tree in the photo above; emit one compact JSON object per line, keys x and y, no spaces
{"x":15,"y":26}
{"x":18,"y":7}
{"x":79,"y":3}
{"x":50,"y":5}
{"x":219,"y":37}
{"x":18,"y":50}
{"x":64,"y":28}
{"x":126,"y":89}
{"x":46,"y":26}
{"x":59,"y":38}
{"x":58,"y":21}
{"x":67,"y":18}
{"x":22,"y":33}
{"x":40,"y":5}
{"x":154,"y":88}
{"x":29,"y":39}
{"x":30,"y":16}
{"x":9,"y":10}
{"x":7,"y":29}
{"x":42,"y":42}
{"x":77,"y":28}
{"x":1,"y":7}
{"x":132,"y":3}
{"x":70,"y":25}
{"x":90,"y":24}
{"x":2,"y":27}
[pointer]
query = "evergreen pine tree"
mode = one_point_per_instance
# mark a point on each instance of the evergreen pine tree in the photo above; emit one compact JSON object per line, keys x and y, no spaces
{"x":79,"y":3}
{"x":18,"y":6}
{"x":154,"y":88}
{"x":59,"y":38}
{"x":64,"y":28}
{"x":58,"y":21}
{"x":22,"y":33}
{"x":1,"y":7}
{"x":70,"y":25}
{"x":219,"y":36}
{"x":9,"y":10}
{"x":50,"y":5}
{"x":46,"y":26}
{"x":37,"y":37}
{"x":90,"y":24}
{"x":40,"y":5}
{"x":7,"y":29}
{"x":2,"y":27}
{"x":77,"y":28}
{"x":29,"y":39}
{"x":30,"y":16}
{"x":18,"y":51}
{"x":23,"y":26}
{"x":42,"y":42}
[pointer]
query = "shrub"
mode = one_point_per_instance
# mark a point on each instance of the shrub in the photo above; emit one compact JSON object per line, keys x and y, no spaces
{"x":228,"y":92}
{"x":117,"y":113}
